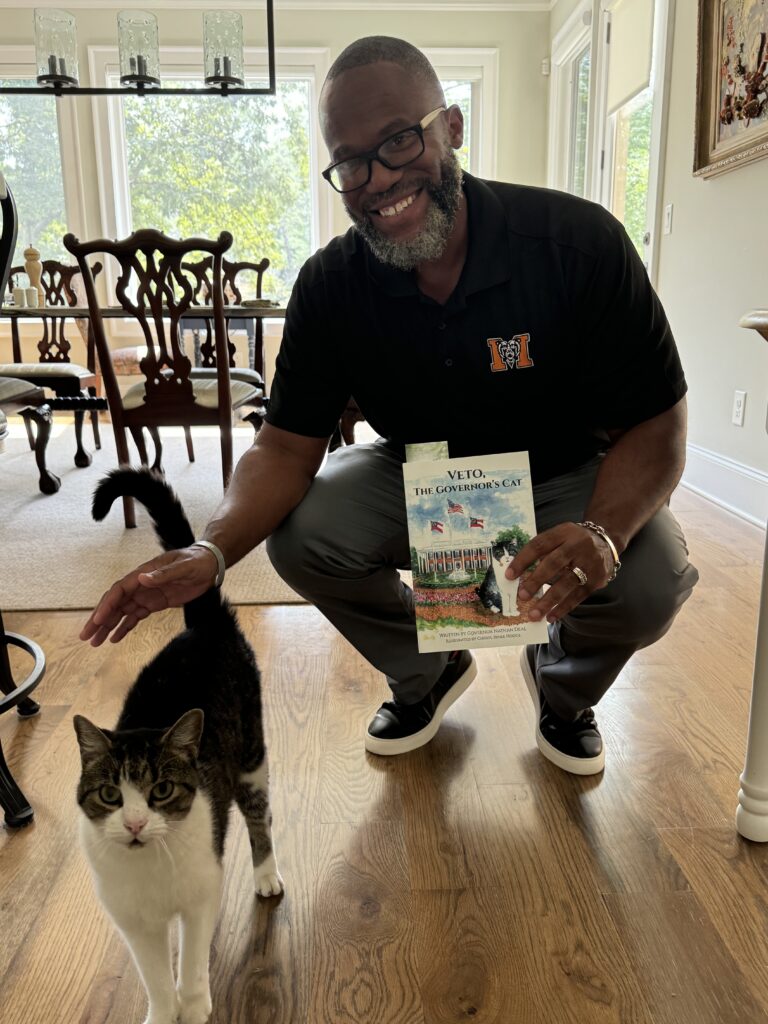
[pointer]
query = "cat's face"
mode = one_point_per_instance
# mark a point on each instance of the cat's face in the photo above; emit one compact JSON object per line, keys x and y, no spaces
{"x":504,"y":552}
{"x":135,"y":785}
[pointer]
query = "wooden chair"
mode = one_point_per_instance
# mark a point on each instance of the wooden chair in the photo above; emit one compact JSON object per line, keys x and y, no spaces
{"x":54,"y":369}
{"x":153,"y":287}
{"x":30,"y":402}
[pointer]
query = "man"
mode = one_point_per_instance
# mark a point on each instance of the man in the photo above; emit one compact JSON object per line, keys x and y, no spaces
{"x":498,"y":318}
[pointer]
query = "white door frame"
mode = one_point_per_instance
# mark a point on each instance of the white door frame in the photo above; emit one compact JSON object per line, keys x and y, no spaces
{"x":573,"y":37}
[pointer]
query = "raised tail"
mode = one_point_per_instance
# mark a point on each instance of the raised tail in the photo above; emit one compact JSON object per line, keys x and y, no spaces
{"x":170,"y":523}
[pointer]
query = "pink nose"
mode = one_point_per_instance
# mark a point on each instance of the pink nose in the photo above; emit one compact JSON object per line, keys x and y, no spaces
{"x":134,"y":827}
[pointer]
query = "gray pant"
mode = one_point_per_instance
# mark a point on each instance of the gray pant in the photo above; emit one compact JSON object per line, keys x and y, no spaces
{"x":341,"y":548}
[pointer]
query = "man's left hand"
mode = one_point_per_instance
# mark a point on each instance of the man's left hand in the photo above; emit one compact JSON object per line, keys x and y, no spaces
{"x":559,"y":552}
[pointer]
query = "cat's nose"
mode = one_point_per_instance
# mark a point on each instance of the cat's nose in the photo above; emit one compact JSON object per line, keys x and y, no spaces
{"x":136,"y":825}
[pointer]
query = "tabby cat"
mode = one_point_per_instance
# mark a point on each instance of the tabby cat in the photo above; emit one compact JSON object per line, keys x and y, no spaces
{"x":155,"y":791}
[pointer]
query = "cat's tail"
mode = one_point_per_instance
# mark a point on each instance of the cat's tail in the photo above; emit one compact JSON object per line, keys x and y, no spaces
{"x":170,"y":523}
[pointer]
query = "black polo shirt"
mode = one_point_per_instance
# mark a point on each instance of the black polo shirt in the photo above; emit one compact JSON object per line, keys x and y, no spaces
{"x":552,"y":335}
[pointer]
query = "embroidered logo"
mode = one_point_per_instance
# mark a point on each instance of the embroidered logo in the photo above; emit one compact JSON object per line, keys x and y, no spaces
{"x":510,"y":354}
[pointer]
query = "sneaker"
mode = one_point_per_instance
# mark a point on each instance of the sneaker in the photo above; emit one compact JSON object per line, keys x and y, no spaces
{"x":576,"y":747}
{"x":397,"y":728}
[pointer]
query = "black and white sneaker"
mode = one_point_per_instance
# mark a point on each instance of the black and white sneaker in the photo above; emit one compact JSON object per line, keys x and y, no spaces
{"x":576,"y":747}
{"x":397,"y":728}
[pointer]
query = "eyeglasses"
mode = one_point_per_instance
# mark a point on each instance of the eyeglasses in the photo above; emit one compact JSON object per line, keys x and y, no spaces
{"x":396,"y":151}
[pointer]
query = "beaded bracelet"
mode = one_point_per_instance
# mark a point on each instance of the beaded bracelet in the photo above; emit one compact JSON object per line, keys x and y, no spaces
{"x":601,"y":533}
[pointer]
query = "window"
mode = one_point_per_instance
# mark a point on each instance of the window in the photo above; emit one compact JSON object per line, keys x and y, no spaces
{"x":577,"y":151}
{"x":631,"y":166}
{"x":196,"y":168}
{"x":31,"y":161}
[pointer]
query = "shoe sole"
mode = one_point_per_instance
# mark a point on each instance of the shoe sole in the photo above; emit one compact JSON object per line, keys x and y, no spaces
{"x":405,"y":744}
{"x":573,"y":765}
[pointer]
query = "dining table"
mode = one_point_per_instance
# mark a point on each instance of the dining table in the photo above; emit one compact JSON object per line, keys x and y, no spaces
{"x":81,"y":314}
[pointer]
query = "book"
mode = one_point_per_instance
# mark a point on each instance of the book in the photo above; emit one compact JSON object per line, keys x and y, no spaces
{"x":467,"y":518}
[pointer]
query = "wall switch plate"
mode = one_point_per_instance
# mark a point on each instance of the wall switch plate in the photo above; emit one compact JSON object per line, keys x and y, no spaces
{"x":737,"y":415}
{"x":668,"y":219}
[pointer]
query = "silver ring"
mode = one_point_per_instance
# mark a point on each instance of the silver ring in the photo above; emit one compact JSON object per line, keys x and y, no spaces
{"x":580,"y":575}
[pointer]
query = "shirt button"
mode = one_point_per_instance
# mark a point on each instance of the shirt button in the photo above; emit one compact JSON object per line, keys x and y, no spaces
{"x":441,"y":326}
{"x":449,"y":362}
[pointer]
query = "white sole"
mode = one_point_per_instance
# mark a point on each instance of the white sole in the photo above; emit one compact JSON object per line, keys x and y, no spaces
{"x":573,"y":765}
{"x":374,"y":745}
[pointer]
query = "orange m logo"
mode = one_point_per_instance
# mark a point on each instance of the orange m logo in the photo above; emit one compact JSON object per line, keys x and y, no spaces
{"x":508,"y":355}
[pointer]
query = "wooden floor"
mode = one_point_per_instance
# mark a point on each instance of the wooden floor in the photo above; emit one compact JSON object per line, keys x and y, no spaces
{"x":471,"y":880}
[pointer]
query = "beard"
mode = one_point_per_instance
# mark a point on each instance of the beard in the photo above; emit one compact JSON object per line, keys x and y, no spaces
{"x":431,"y":241}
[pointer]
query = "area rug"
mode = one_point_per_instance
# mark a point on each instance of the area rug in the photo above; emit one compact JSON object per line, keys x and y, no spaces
{"x":54,"y":556}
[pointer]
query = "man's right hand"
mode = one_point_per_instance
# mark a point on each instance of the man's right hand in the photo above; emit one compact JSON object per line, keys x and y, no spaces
{"x":168,"y":581}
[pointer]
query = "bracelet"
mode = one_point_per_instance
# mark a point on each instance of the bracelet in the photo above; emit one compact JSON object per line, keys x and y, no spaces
{"x":601,"y":533}
{"x":220,"y":563}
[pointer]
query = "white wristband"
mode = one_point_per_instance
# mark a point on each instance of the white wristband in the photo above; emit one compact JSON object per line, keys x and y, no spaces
{"x":220,"y":563}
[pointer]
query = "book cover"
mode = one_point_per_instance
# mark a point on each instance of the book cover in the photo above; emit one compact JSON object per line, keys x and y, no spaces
{"x":467,"y":519}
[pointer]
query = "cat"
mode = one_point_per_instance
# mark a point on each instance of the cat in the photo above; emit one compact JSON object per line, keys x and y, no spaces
{"x":156,"y":790}
{"x":496,"y":592}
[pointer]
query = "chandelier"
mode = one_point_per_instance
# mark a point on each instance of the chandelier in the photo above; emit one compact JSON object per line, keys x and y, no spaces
{"x":139,"y":49}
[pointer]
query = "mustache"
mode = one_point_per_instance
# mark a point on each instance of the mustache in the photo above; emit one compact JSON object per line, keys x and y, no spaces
{"x":397,"y":192}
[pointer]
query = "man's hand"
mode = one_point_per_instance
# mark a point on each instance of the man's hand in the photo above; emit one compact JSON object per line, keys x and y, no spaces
{"x":168,"y":581}
{"x":558,"y":551}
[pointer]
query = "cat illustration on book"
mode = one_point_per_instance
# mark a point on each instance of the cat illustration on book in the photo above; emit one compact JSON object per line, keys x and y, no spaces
{"x":156,"y":790}
{"x":496,"y":592}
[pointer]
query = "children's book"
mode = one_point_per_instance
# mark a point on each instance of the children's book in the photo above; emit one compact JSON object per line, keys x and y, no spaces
{"x":467,"y":519}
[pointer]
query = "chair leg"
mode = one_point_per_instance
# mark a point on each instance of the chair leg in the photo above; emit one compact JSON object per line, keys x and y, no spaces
{"x":30,"y":434}
{"x":42,"y":417}
{"x":336,"y":439}
{"x":190,"y":448}
{"x":226,"y":453}
{"x":154,"y":433}
{"x":124,"y":459}
{"x":15,"y":805}
{"x":82,"y":458}
{"x":137,"y":433}
{"x":95,"y":422}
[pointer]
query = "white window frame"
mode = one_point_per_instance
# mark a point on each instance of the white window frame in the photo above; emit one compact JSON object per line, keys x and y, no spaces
{"x":112,"y":165}
{"x":605,"y":130}
{"x":572,"y":39}
{"x":19,"y":62}
{"x":480,"y":66}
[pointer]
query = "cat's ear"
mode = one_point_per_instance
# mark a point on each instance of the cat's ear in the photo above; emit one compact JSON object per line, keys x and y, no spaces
{"x":93,"y":742}
{"x":186,"y":733}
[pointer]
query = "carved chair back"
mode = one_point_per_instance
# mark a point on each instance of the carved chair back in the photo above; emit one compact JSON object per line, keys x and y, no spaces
{"x":154,"y":287}
{"x":60,"y":290}
{"x":201,"y":270}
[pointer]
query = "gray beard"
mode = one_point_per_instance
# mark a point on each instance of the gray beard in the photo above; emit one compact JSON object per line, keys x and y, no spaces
{"x":431,"y":242}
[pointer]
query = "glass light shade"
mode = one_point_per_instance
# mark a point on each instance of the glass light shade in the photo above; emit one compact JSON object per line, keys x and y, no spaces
{"x":137,"y":41}
{"x":55,"y":47}
{"x":223,"y":48}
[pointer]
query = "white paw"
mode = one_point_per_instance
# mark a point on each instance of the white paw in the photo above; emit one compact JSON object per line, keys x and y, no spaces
{"x":269,"y":882}
{"x":195,"y":1010}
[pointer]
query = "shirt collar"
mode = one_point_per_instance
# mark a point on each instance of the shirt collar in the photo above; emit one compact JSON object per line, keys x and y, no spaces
{"x":488,"y":252}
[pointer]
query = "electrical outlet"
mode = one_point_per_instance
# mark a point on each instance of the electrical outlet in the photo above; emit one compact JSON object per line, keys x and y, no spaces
{"x":737,"y":415}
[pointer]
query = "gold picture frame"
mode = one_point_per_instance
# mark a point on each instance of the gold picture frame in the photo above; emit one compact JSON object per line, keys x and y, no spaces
{"x":731,"y":85}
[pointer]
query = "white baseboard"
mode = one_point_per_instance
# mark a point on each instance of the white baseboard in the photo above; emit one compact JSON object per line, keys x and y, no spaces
{"x":740,"y":489}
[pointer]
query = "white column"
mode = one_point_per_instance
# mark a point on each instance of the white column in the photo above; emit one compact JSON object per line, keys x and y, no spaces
{"x":752,"y":812}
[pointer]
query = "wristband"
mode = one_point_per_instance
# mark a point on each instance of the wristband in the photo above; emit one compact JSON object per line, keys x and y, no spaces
{"x":601,"y":533}
{"x":220,"y":563}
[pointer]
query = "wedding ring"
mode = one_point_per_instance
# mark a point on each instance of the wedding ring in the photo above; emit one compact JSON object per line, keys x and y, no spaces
{"x":580,"y":575}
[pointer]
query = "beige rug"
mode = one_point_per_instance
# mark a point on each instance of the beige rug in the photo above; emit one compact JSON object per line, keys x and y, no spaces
{"x":52,"y":553}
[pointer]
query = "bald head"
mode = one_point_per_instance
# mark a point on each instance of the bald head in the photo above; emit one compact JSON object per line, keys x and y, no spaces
{"x":372,"y":49}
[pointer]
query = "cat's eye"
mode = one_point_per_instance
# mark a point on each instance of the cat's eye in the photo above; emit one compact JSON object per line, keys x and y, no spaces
{"x":162,"y":790}
{"x":110,"y":794}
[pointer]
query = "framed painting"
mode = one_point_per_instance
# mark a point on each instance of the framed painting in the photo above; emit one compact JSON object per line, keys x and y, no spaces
{"x":731,"y":85}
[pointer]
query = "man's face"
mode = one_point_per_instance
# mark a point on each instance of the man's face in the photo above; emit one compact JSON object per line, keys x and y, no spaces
{"x":405,"y":215}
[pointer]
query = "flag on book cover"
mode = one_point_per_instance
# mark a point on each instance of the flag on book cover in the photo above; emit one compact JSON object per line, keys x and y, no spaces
{"x":476,"y":522}
{"x":436,"y":526}
{"x":453,"y":507}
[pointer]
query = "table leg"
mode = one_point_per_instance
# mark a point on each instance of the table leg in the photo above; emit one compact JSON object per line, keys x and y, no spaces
{"x":752,"y":812}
